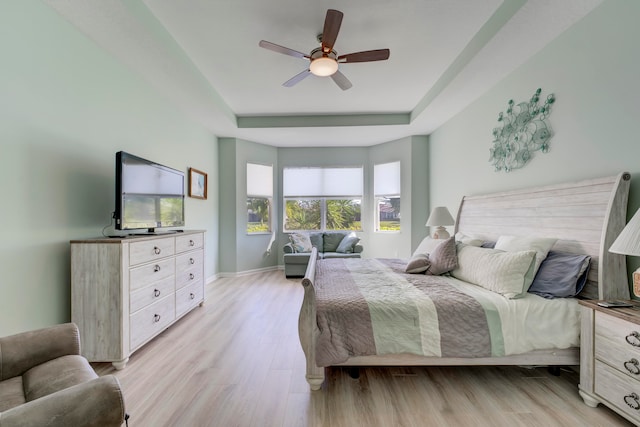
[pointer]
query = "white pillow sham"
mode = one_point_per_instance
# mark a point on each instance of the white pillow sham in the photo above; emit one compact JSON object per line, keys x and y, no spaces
{"x":541,"y":245}
{"x":469,"y":240}
{"x":505,"y":273}
{"x":427,"y":246}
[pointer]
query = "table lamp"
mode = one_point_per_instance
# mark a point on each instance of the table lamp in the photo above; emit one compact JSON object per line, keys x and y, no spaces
{"x":440,"y":217}
{"x":628,"y":243}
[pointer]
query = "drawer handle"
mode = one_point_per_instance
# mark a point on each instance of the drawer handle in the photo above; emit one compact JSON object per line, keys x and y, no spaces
{"x":191,"y":276}
{"x":156,"y":293}
{"x":632,"y":366}
{"x":156,"y":268}
{"x":156,"y":318}
{"x":633,"y":338}
{"x":633,"y":401}
{"x":192,"y":295}
{"x":192,"y":243}
{"x":192,"y":261}
{"x":156,"y":250}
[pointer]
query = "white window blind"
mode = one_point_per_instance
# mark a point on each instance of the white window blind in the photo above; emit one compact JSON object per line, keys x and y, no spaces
{"x":259,"y":180}
{"x":386,"y":179}
{"x":322,"y":182}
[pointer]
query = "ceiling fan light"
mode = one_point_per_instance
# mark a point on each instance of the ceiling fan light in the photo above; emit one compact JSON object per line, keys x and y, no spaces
{"x":323,"y":66}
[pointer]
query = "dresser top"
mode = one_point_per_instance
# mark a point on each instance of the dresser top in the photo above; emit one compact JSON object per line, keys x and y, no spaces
{"x":630,"y":314}
{"x":138,"y":237}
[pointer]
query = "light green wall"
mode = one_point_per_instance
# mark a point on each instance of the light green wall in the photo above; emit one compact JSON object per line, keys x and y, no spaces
{"x":242,"y":252}
{"x":593,"y":70}
{"x":66,"y":107}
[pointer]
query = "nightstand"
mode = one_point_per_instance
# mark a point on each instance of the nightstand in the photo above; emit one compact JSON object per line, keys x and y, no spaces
{"x":610,"y":358}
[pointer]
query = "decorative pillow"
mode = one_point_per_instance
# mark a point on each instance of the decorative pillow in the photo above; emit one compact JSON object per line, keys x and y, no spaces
{"x":331,"y":240}
{"x":347,"y":244}
{"x":468,"y":240}
{"x":501,"y":272}
{"x":300,"y":242}
{"x":427,"y":246}
{"x":561,"y":275}
{"x":541,"y":245}
{"x":419,"y":263}
{"x":443,"y":259}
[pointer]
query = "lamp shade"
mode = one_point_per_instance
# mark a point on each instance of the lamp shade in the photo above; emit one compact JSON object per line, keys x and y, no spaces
{"x":440,"y":216}
{"x":628,"y":242}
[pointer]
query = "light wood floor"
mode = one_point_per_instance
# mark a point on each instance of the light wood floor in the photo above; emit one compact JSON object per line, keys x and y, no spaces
{"x":237,"y":362}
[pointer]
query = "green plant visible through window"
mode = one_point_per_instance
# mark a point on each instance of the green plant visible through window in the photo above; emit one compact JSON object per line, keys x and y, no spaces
{"x":311,"y":214}
{"x":258,"y":215}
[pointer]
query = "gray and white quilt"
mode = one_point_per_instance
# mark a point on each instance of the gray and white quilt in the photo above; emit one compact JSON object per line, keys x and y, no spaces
{"x":372,"y":307}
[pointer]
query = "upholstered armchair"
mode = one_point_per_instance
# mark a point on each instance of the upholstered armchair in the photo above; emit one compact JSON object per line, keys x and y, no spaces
{"x":44,"y":381}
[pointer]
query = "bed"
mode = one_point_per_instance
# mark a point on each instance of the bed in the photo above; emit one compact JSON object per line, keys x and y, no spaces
{"x":582,"y":218}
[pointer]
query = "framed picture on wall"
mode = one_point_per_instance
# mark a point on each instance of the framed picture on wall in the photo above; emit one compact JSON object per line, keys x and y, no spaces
{"x":197,"y":184}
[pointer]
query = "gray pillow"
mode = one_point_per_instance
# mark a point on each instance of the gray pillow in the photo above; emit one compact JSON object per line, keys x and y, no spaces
{"x":347,"y":244}
{"x":443,"y":258}
{"x":332,"y":239}
{"x":561,"y":275}
{"x":419,"y":263}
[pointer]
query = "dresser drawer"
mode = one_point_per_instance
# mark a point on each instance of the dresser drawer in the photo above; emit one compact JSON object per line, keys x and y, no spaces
{"x":150,"y":294}
{"x":187,"y":277}
{"x":618,"y":389}
{"x":189,"y":242}
{"x":189,"y":261}
{"x":617,"y":342}
{"x":151,"y":320}
{"x":144,"y":275}
{"x":149,"y":250}
{"x":189,"y":297}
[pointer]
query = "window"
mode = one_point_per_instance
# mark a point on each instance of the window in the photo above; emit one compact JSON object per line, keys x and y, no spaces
{"x":322,"y":198}
{"x":386,"y":189}
{"x":259,"y":196}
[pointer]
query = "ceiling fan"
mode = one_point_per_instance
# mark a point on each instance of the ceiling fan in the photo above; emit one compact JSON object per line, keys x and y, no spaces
{"x":324,"y":60}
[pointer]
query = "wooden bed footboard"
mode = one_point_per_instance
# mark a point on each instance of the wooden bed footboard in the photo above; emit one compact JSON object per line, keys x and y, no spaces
{"x":308,"y":326}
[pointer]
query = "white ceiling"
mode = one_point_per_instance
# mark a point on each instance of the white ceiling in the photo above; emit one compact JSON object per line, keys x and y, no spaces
{"x":204,"y":56}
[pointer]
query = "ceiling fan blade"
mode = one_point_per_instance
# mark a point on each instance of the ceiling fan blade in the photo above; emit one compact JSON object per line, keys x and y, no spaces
{"x":366,"y":56}
{"x":281,"y":49}
{"x":296,"y":79}
{"x":341,"y":80}
{"x":332,"y":23}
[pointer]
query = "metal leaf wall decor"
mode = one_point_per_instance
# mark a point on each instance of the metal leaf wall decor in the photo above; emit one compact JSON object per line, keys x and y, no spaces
{"x":522,"y":130}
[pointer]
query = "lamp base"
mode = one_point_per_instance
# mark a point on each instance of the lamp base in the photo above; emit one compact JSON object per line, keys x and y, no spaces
{"x":636,"y":283}
{"x":441,"y":233}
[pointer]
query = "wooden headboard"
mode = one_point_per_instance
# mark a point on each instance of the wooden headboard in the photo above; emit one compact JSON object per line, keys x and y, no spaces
{"x":585,"y":216}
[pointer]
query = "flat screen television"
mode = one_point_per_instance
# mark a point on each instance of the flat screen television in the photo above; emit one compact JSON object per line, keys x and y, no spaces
{"x":148,"y":194}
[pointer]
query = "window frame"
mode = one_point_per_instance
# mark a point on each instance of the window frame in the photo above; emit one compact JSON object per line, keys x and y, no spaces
{"x":260,"y":191}
{"x":393,"y":191}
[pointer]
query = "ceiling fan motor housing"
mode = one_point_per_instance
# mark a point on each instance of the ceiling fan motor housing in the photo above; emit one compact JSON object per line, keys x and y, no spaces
{"x":323,"y":64}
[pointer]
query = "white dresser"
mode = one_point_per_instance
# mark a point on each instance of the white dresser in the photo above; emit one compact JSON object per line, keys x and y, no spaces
{"x":610,"y":358}
{"x":125,"y":291}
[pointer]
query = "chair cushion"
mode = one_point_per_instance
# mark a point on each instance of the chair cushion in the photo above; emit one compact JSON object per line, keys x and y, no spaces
{"x":327,"y":255}
{"x":55,"y":375}
{"x":11,"y":393}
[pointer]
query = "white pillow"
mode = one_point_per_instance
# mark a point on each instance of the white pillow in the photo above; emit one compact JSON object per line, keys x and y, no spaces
{"x":505,"y":273}
{"x":541,"y":245}
{"x":427,"y":246}
{"x":469,"y":240}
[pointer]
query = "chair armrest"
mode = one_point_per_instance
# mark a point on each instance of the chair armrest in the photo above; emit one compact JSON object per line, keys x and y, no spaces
{"x":288,"y":249}
{"x":358,"y":248}
{"x":98,"y":402}
{"x":21,"y":352}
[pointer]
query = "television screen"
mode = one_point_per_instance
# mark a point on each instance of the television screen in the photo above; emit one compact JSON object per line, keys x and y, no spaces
{"x":148,"y":195}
